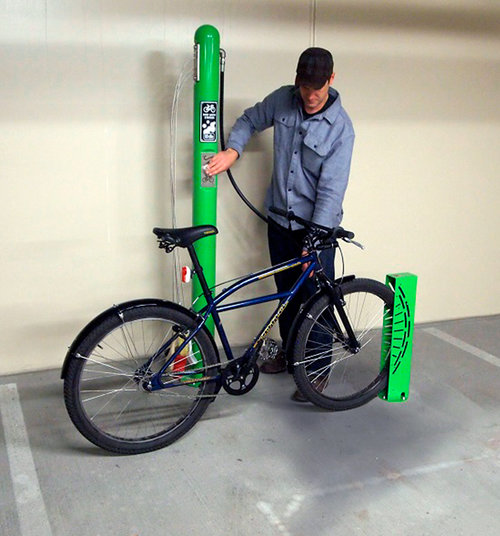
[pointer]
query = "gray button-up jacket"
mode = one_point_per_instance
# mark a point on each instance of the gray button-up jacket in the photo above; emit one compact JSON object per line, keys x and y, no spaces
{"x":312,"y":157}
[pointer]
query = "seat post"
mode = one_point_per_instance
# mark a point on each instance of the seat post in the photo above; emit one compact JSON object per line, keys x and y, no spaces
{"x":198,"y":270}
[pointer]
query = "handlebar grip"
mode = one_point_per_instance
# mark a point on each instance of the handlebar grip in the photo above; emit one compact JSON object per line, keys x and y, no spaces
{"x":340,"y":232}
{"x":336,"y":232}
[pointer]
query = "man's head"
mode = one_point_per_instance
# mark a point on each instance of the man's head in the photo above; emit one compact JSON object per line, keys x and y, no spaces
{"x":315,"y":68}
{"x":314,"y":76}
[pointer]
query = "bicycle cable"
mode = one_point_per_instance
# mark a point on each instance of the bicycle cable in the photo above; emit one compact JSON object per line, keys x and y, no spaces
{"x":343,"y":264}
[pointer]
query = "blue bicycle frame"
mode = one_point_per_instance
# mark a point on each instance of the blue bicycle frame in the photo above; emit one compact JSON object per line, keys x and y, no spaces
{"x":214,"y":307}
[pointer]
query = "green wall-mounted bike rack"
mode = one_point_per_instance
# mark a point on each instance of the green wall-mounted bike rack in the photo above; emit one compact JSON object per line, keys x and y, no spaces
{"x":397,"y":336}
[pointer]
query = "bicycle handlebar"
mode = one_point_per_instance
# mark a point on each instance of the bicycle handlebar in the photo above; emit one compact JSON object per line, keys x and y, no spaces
{"x":334,"y":233}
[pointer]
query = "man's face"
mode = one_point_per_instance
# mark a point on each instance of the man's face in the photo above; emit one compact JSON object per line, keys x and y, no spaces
{"x":315,"y":99}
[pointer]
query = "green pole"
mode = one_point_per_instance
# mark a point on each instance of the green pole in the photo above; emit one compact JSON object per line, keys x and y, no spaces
{"x":205,"y":133}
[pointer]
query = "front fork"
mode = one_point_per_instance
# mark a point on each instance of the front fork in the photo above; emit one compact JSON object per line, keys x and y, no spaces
{"x":335,"y":293}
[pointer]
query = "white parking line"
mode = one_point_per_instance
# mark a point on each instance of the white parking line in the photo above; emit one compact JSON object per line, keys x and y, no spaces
{"x":297,"y":499}
{"x":489,"y":358}
{"x":29,"y":500}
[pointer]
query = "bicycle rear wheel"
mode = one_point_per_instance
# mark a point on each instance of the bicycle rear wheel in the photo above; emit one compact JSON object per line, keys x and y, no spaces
{"x":104,"y":386}
{"x":326,"y":371}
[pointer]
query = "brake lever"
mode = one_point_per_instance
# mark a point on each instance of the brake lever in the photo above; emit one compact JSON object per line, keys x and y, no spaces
{"x":354,"y":243}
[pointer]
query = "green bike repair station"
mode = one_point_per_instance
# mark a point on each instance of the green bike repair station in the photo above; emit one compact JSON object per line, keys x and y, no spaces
{"x":209,"y":60}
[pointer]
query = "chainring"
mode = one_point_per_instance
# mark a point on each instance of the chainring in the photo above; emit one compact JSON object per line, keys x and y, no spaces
{"x":239,"y":382}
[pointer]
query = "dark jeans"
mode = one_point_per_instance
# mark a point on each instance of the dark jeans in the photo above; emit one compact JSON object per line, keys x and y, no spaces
{"x":285,"y":245}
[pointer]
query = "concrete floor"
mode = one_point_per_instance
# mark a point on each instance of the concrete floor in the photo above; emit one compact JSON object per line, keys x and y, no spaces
{"x":263,"y":465}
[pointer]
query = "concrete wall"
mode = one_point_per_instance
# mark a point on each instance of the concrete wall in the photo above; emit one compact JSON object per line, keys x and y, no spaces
{"x":86,"y":94}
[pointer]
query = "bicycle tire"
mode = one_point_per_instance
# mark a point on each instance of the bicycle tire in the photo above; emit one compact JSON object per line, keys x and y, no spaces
{"x":326,"y":372}
{"x":103,"y":390}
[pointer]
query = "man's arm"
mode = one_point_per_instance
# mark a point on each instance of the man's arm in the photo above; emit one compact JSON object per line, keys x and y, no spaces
{"x":254,"y":119}
{"x":332,"y":183}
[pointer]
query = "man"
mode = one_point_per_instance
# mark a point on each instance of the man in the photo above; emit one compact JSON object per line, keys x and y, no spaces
{"x":313,"y":141}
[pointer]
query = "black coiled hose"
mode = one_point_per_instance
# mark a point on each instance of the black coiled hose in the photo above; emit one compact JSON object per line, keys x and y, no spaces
{"x":268,"y":221}
{"x":223,"y":146}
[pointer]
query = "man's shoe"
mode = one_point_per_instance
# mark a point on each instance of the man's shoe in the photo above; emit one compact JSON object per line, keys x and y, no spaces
{"x":275,"y":365}
{"x":299,"y":397}
{"x":319,"y":384}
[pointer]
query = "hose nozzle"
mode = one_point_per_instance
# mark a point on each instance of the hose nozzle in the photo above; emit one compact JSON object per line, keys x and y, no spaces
{"x":222,"y":54}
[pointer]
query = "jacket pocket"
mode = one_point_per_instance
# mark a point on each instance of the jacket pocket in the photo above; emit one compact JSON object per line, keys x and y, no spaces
{"x":313,"y":154}
{"x":283,"y":132}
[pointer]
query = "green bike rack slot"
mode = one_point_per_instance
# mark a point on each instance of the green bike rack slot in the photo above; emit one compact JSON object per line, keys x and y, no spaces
{"x":397,"y":336}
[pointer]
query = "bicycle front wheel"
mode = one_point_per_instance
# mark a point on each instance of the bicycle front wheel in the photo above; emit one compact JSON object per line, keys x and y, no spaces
{"x":104,"y":388}
{"x":326,"y":370}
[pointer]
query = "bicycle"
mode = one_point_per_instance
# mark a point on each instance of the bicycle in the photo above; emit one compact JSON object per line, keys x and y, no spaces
{"x":142,"y":373}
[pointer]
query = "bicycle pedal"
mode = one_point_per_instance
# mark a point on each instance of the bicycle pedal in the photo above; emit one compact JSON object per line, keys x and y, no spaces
{"x":268,"y":349}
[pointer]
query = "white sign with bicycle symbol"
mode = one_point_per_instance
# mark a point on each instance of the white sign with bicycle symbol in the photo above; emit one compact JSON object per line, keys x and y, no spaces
{"x":208,"y":121}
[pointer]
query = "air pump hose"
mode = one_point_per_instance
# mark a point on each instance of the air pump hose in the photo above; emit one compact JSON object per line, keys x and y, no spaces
{"x":268,"y":221}
{"x":223,"y":146}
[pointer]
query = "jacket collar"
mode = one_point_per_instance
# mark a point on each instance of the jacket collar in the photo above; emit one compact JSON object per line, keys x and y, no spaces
{"x":331,"y":113}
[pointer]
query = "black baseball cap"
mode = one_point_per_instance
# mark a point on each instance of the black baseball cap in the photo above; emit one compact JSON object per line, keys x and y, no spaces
{"x":314,"y":68}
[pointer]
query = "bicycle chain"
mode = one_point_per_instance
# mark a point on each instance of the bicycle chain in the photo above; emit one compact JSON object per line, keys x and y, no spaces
{"x":201,"y":370}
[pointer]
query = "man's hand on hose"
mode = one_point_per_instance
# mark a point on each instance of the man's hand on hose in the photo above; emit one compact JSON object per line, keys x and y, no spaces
{"x":221,"y":162}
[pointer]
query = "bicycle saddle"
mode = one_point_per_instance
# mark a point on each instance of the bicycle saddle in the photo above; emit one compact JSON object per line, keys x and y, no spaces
{"x":184,"y":236}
